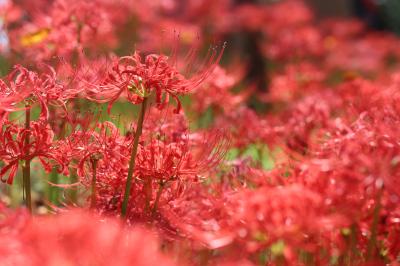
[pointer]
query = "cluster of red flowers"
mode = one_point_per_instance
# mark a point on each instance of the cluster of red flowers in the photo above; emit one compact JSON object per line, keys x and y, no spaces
{"x":144,"y":157}
{"x":83,"y":239}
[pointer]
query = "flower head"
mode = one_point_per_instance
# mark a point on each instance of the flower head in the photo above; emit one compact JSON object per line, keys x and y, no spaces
{"x":138,"y":76}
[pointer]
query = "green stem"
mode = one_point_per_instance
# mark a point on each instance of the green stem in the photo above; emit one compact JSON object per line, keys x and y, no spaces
{"x":159,"y":192}
{"x":138,"y":133}
{"x":371,"y":248}
{"x":53,"y":191}
{"x":26,"y":168}
{"x":93,"y":195}
{"x":73,"y":193}
{"x":148,"y":194}
{"x":353,"y":243}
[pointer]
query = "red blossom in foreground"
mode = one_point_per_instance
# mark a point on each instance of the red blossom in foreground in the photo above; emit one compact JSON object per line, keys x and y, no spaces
{"x":75,"y":238}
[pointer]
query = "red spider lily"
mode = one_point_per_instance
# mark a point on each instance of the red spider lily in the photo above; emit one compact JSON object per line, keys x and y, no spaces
{"x":345,"y":169}
{"x":247,"y":222}
{"x":100,"y":157}
{"x":237,"y":123}
{"x":302,"y":41}
{"x":293,"y":37}
{"x":296,"y":81}
{"x":11,"y":224}
{"x":22,"y":88}
{"x":138,"y":77}
{"x":62,"y":28}
{"x":301,"y":14}
{"x":305,"y":117}
{"x":216,"y":92}
{"x":362,"y":54}
{"x":209,"y":149}
{"x":362,"y":94}
{"x":170,"y":151}
{"x":202,"y":217}
{"x":168,"y":160}
{"x":102,"y":151}
{"x":107,"y":146}
{"x":15,"y":87}
{"x":342,"y":29}
{"x":163,"y":161}
{"x":293,"y":214}
{"x":173,"y":165}
{"x":355,"y":149}
{"x":14,"y":149}
{"x":82,"y":239}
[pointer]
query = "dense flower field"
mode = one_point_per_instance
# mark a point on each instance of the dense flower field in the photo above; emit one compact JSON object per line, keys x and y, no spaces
{"x":196,"y":133}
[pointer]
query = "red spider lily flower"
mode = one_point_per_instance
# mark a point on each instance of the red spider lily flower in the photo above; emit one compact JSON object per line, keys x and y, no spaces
{"x":354,"y":165}
{"x":106,"y":146}
{"x":238,"y":121}
{"x":138,"y":77}
{"x":22,"y":88}
{"x":169,"y":151}
{"x":302,"y":41}
{"x":103,"y":152}
{"x":179,"y":161}
{"x":292,"y":37}
{"x":300,"y":14}
{"x":14,"y":88}
{"x":296,"y":81}
{"x":198,"y":152}
{"x":163,"y":161}
{"x":14,"y":149}
{"x":202,"y":217}
{"x":365,"y":54}
{"x":62,"y":28}
{"x":342,"y":29}
{"x":355,"y":150}
{"x":216,"y":92}
{"x":246,"y":222}
{"x":83,"y":239}
{"x":12,"y":222}
{"x":362,"y":94}
{"x":293,"y":214}
{"x":169,"y":159}
{"x":305,"y":117}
